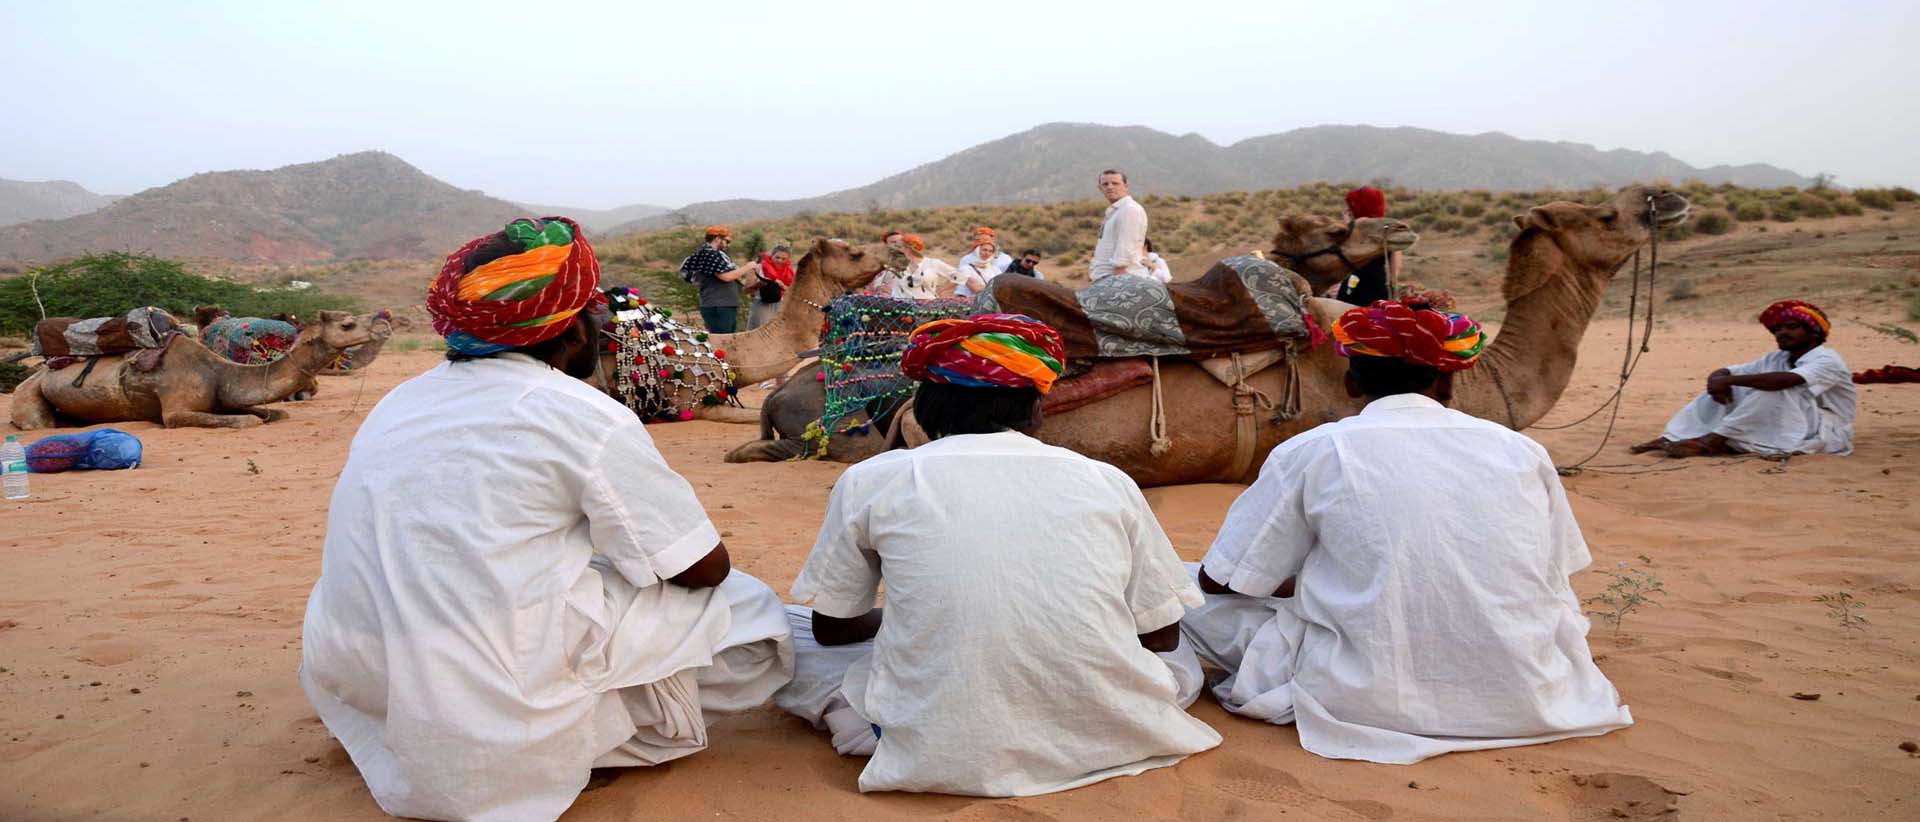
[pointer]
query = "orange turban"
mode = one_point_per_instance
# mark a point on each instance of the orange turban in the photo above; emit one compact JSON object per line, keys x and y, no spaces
{"x":719,"y":231}
{"x":1444,"y":340}
{"x":985,"y":351}
{"x":914,"y":242}
{"x":1805,"y":313}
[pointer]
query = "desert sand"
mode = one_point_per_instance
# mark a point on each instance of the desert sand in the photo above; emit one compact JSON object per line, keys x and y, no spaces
{"x":150,"y":631}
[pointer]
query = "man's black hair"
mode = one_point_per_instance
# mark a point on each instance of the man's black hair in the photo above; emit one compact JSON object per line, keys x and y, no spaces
{"x":1031,"y":252}
{"x":539,"y":351}
{"x":1386,"y":376}
{"x":947,"y":410}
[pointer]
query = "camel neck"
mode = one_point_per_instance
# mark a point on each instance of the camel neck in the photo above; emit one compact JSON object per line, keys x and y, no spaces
{"x":770,"y":350}
{"x":243,"y":386}
{"x":1529,"y":363}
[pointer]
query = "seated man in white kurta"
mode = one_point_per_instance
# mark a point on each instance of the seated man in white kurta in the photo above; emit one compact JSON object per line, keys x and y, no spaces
{"x":1395,"y":583}
{"x":1796,"y":400}
{"x":516,"y":588}
{"x":1031,"y":637}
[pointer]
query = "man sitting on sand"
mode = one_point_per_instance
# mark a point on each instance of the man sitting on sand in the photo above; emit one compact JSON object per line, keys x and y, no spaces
{"x":516,"y":588}
{"x":1395,"y":583}
{"x":1796,"y":400}
{"x":1028,"y":591}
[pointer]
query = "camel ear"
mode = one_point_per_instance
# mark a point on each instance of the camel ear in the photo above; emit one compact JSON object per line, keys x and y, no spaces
{"x":1539,"y":218}
{"x":1520,"y":222}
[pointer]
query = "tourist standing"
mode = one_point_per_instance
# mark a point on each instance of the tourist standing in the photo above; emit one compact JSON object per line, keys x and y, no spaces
{"x":1123,"y":235}
{"x":776,"y":276}
{"x":719,"y":280}
{"x":985,"y":261}
{"x":927,"y":278}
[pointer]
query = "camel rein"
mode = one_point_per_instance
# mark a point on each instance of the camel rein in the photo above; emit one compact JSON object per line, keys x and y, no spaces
{"x":1630,"y":359}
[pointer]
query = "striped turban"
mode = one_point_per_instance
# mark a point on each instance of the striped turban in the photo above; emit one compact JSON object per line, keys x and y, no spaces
{"x":986,"y":351}
{"x":1444,"y":340}
{"x":1806,"y":313}
{"x":514,"y":288}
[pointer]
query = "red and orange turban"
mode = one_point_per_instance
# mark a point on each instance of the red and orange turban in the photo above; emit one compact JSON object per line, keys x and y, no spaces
{"x":719,"y":231}
{"x":1806,"y":313}
{"x":1367,"y":201}
{"x":1438,"y":339}
{"x":914,"y":242}
{"x":515,"y":287}
{"x":984,"y":235}
{"x":986,"y":351}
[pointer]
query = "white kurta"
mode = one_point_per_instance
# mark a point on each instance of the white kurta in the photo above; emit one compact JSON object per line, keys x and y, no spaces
{"x":1122,"y":246}
{"x":1008,"y":662}
{"x":1814,"y":418}
{"x":491,"y":619}
{"x":1433,"y":611}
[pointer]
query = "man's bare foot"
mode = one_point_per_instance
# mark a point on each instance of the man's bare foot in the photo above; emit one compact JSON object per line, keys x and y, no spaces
{"x":1708,"y":446}
{"x":1655,"y":444}
{"x":600,"y":777}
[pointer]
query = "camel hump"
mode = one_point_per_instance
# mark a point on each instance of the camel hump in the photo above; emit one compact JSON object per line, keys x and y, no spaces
{"x":141,"y":328}
{"x":1241,"y":304}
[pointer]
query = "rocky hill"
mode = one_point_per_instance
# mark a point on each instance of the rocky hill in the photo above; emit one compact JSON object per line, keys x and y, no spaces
{"x":22,"y":201}
{"x":1058,"y":161}
{"x":369,"y":205}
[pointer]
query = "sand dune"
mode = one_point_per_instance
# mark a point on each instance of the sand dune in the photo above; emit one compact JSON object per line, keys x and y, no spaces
{"x":150,"y":628}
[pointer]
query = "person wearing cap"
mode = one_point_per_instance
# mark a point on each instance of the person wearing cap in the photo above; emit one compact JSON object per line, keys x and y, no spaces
{"x":1030,"y":641}
{"x":1395,"y":583}
{"x":1372,"y":281}
{"x":515,"y":587}
{"x":1798,"y":399}
{"x":984,"y":261}
{"x":719,"y":280}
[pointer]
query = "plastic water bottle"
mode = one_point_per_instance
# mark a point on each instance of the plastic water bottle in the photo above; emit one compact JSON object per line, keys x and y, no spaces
{"x":13,"y":460}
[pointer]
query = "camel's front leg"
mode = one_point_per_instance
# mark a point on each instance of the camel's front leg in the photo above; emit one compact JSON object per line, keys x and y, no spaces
{"x":265,"y":414}
{"x":204,"y":419}
{"x":30,"y":407}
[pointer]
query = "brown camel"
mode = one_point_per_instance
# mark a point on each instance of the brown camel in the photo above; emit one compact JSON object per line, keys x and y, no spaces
{"x":1557,"y":269}
{"x":357,"y":358}
{"x":192,"y":386}
{"x":1323,"y":251}
{"x":827,"y":269}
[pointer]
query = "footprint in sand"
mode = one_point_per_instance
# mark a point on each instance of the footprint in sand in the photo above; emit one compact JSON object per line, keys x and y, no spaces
{"x":1730,"y":676}
{"x":1251,"y":780}
{"x":1001,"y":812}
{"x":1606,"y":797}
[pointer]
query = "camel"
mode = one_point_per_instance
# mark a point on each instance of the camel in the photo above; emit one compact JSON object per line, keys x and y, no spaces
{"x":1321,"y":250}
{"x":357,"y":358}
{"x":1557,"y":269}
{"x":191,"y":387}
{"x":827,"y":269}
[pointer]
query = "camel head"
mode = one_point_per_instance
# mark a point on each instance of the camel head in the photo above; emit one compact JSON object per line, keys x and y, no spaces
{"x":338,"y":330}
{"x":844,"y":265}
{"x":1596,"y":239}
{"x":379,"y":324}
{"x":1312,"y":246}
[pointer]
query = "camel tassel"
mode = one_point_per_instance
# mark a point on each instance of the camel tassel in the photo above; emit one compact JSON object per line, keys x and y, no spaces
{"x":1157,"y":426}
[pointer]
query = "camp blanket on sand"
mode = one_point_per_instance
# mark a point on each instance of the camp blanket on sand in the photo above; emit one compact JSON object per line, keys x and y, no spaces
{"x":58,"y":337}
{"x":1242,"y":304}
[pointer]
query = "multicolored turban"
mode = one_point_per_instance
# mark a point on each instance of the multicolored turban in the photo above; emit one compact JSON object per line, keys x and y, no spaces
{"x":516,"y":287}
{"x":1445,"y":340}
{"x":1807,"y":313}
{"x":1367,"y":201}
{"x":719,"y":231}
{"x":914,"y":242}
{"x":986,"y":351}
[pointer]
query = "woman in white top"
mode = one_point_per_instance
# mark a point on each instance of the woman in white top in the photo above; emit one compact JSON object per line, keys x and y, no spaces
{"x":927,"y":278}
{"x":985,"y":261}
{"x":1157,"y":266}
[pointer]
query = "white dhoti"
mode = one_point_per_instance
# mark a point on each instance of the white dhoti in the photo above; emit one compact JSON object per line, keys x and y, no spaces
{"x":820,"y":672}
{"x":1755,"y":421}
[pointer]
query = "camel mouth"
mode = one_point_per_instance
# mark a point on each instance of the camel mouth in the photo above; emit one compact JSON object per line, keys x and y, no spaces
{"x":1669,"y":210}
{"x":1401,"y":239}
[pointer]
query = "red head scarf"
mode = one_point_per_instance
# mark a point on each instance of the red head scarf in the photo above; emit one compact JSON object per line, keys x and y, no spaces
{"x":914,"y":242}
{"x":1807,"y":313}
{"x":986,"y":351}
{"x":1437,"y":339}
{"x":1367,"y":201}
{"x":984,"y":235}
{"x":515,"y":287}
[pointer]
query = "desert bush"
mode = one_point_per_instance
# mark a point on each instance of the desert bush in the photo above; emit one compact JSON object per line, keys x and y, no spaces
{"x":1446,"y":225}
{"x":101,"y":285}
{"x":1713,"y":222}
{"x":1879,"y":198}
{"x":1682,"y":290}
{"x":1677,"y":232}
{"x":1902,"y":194}
{"x":1846,"y":206}
{"x":1808,"y":204}
{"x":1472,"y":209}
{"x":1750,"y":211}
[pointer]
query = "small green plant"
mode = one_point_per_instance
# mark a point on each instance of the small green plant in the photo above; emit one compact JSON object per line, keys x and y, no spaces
{"x":1713,"y":221}
{"x":1843,"y":609}
{"x":251,"y":468}
{"x":1898,"y":332}
{"x":1628,"y":590}
{"x":1682,"y":290}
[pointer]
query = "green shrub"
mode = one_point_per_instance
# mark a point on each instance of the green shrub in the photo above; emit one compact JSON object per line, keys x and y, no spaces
{"x":1446,"y":225}
{"x":1879,"y":198}
{"x":103,"y":285}
{"x":1902,"y":194}
{"x":1750,"y":211}
{"x":1846,"y":206}
{"x":1811,"y":205}
{"x":1713,"y":222}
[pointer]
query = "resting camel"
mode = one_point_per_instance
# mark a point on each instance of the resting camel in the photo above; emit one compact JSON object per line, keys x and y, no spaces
{"x":1557,"y":269}
{"x":357,"y":358}
{"x":191,"y":387}
{"x":828,"y":268}
{"x":1323,"y":251}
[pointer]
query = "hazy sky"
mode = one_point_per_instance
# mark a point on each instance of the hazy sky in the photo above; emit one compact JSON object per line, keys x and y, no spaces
{"x":596,"y":105}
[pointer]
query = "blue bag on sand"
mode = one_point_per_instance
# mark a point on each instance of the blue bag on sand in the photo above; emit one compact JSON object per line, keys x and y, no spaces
{"x":104,"y":449}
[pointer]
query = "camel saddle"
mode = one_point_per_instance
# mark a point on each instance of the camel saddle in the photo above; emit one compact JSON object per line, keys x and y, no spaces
{"x":1242,"y":305}
{"x":145,"y":332}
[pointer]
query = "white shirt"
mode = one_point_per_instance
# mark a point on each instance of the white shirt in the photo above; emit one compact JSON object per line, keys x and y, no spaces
{"x":1008,"y":662}
{"x":1433,"y":611}
{"x":457,"y":642}
{"x":1123,"y":240}
{"x":971,"y":265}
{"x":1829,"y":388}
{"x":1157,"y":268}
{"x":922,"y":281}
